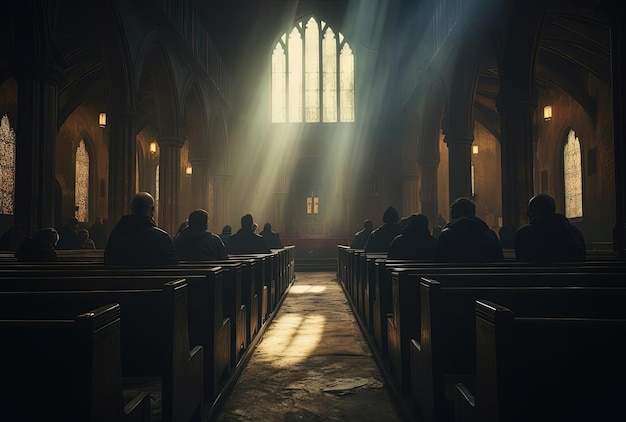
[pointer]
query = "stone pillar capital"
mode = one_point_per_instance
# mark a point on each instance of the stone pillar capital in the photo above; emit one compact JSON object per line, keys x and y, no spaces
{"x":515,"y":102}
{"x":121,"y":114}
{"x":199,"y":162}
{"x":170,"y":141}
{"x":458,"y":140}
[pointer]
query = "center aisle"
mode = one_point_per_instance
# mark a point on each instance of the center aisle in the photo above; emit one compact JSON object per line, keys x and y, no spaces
{"x":313,"y":363}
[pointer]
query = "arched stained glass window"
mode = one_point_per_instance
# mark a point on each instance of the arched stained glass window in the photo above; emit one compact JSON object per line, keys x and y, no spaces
{"x":279,"y":80}
{"x":81,"y":187}
{"x":312,"y":71}
{"x":573,"y":174}
{"x":156,"y":193}
{"x":329,"y":64}
{"x":7,"y":166}
{"x":312,"y":75}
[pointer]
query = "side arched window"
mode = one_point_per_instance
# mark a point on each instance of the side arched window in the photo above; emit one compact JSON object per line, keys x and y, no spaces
{"x":573,"y":176}
{"x":7,"y":166}
{"x":81,"y":187}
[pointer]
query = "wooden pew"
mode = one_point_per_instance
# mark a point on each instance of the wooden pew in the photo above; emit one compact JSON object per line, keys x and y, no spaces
{"x":445,"y":352}
{"x":208,"y":325}
{"x":268,"y":266}
{"x":58,"y":369}
{"x":154,"y":338}
{"x":547,"y":368}
{"x":403,"y":297}
{"x":258,"y":272}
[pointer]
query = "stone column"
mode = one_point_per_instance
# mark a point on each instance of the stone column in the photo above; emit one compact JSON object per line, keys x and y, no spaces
{"x":516,"y":122}
{"x":122,"y":161}
{"x":38,"y":73}
{"x":169,"y":183}
{"x":411,"y":192}
{"x":221,"y":202}
{"x":428,"y":190}
{"x":618,"y":67}
{"x":460,"y":166}
{"x":200,"y":182}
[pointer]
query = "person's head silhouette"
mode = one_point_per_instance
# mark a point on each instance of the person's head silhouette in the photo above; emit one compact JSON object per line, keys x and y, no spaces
{"x":462,"y":207}
{"x":198,"y":220}
{"x":142,"y":204}
{"x":541,"y":204}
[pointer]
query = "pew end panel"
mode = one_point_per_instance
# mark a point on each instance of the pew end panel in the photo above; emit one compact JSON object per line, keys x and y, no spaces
{"x":548,"y":368}
{"x":56,"y":369}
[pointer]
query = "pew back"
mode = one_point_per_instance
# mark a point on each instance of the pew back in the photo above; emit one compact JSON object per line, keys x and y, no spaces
{"x":57,"y":370}
{"x":548,"y":368}
{"x":445,"y":353}
{"x":154,"y":336}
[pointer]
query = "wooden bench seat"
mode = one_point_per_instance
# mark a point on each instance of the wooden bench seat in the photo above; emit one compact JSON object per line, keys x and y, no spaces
{"x":59,"y":369}
{"x":547,"y":368}
{"x":404,"y":319}
{"x":154,"y":337}
{"x":444,"y":353}
{"x":209,"y":326}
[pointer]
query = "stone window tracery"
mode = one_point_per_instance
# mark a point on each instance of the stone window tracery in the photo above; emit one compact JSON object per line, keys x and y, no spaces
{"x":312,"y":75}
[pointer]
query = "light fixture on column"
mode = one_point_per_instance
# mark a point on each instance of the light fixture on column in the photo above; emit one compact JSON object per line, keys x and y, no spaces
{"x":188,"y":170}
{"x":153,"y":147}
{"x":102,"y":120}
{"x":547,"y":113}
{"x":474,"y":149}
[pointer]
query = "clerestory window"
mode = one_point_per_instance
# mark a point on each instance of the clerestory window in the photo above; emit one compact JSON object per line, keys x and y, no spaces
{"x":312,"y":75}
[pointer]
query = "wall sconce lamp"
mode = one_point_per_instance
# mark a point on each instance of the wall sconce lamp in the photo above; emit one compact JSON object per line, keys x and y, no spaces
{"x":188,"y":170}
{"x":153,"y":147}
{"x":102,"y":120}
{"x":474,"y":149}
{"x":547,"y":113}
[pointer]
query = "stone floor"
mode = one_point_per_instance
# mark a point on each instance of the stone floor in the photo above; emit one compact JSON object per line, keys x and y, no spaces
{"x":313,"y":364}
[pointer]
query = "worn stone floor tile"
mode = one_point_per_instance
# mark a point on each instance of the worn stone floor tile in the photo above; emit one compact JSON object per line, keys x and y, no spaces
{"x":313,"y":364}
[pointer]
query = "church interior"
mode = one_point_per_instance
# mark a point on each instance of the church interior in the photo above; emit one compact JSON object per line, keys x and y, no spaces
{"x":231,"y":107}
{"x":313,"y":116}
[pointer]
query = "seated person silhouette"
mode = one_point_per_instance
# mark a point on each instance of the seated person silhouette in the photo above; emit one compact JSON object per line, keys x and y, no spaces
{"x":196,"y":243}
{"x":271,"y":238}
{"x":507,"y":236}
{"x":360,"y":237}
{"x":39,"y":247}
{"x":246,"y":241}
{"x":467,"y":238}
{"x":227,"y":231}
{"x":415,"y":241}
{"x":68,"y":235}
{"x":137,"y":241}
{"x":549,"y":237}
{"x":84,"y":240}
{"x":380,"y":239}
{"x":98,"y":233}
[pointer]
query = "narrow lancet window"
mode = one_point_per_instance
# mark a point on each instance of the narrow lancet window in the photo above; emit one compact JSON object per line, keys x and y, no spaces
{"x":329,"y":64}
{"x":572,"y":165}
{"x":7,"y":166}
{"x":312,"y":71}
{"x":81,"y":187}
{"x":295,"y":75}
{"x":279,"y":81}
